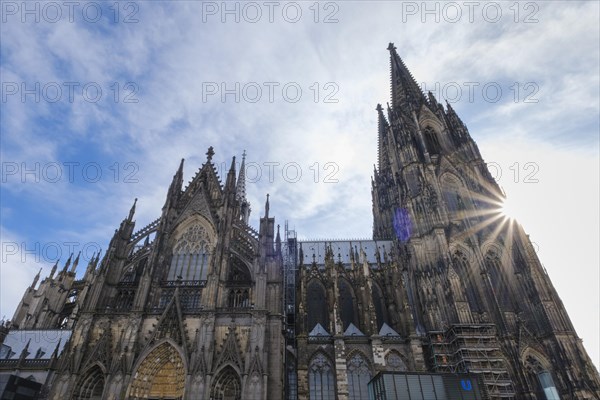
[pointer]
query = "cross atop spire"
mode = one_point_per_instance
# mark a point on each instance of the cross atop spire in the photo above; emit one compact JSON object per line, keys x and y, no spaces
{"x":210,"y":153}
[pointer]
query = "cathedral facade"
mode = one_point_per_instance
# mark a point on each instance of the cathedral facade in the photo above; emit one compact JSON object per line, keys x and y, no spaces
{"x":200,"y":305}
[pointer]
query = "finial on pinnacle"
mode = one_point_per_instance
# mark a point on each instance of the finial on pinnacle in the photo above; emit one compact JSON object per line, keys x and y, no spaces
{"x":210,"y":153}
{"x":267,"y":206}
{"x":379,"y":108}
{"x":244,"y":155}
{"x":391,"y":46}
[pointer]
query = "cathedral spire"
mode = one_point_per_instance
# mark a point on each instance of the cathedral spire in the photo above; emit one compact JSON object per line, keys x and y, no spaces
{"x":382,"y":126}
{"x":36,"y":279}
{"x":241,"y":182}
{"x":177,"y":178}
{"x":25,"y":352}
{"x":54,"y":267}
{"x":132,"y":211}
{"x":241,"y":191}
{"x":406,"y":93}
{"x":267,"y":207}
{"x":175,"y":186}
{"x":75,"y":263}
{"x":90,"y":266}
{"x":56,"y":350}
{"x":65,"y":268}
{"x":230,"y":182}
{"x":278,"y":241}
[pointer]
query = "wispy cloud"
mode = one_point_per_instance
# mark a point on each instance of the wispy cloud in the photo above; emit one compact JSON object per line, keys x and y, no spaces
{"x":172,"y":57}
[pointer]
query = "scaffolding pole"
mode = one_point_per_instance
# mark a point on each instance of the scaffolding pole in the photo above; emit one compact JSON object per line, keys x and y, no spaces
{"x":290,"y":268}
{"x":473,"y":349}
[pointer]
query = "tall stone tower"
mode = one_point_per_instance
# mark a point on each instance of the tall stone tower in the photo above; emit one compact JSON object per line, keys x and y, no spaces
{"x":471,"y":271}
{"x":199,"y":305}
{"x":447,"y":285}
{"x":187,"y":307}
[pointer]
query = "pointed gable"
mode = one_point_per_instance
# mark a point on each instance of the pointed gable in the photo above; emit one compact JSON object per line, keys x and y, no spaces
{"x":352,"y":330}
{"x":170,"y":324}
{"x":386,"y":330}
{"x":102,"y":351}
{"x":230,"y":351}
{"x":204,"y":193}
{"x":198,"y":204}
{"x":318,"y":330}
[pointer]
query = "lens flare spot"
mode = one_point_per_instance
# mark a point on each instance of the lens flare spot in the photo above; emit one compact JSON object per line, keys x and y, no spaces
{"x":402,"y":224}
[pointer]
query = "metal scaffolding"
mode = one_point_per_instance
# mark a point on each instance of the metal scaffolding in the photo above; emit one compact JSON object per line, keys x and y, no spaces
{"x":290,"y":269}
{"x":472,"y":349}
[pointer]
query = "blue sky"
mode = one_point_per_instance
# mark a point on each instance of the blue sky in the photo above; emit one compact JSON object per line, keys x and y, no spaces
{"x":157,"y":65}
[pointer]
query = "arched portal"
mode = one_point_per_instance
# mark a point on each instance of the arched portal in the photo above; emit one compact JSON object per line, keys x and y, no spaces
{"x":227,"y":385}
{"x":160,"y":376}
{"x":539,"y":376}
{"x":91,"y":385}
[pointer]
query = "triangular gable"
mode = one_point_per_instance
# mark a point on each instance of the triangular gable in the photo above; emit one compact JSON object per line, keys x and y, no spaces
{"x":318,"y":330}
{"x":386,"y":330}
{"x":197,"y":205}
{"x":230,"y":353}
{"x":352,"y":330}
{"x":170,"y":324}
{"x":256,"y":364}
{"x":102,"y":351}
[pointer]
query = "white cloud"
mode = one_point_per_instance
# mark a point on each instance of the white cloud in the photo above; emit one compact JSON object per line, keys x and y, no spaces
{"x":170,"y":53}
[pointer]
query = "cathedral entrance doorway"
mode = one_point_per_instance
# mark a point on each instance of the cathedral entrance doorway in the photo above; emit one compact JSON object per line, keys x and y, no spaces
{"x":160,"y":376}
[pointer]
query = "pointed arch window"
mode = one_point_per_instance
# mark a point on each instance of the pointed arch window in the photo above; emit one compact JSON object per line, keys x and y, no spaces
{"x":238,"y":272}
{"x":467,"y":277}
{"x":394,"y":362}
{"x":317,"y":308}
{"x":498,"y":281}
{"x":91,"y":385}
{"x":321,"y":382}
{"x":379,"y":304}
{"x":451,"y":192}
{"x":239,"y":283}
{"x":292,"y":382}
{"x":546,"y":389}
{"x":348,"y":312}
{"x":191,"y":256}
{"x":431,"y":141}
{"x":227,"y":385}
{"x":359,"y":376}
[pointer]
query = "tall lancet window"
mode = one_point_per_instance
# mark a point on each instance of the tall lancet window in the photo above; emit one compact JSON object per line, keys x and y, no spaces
{"x":431,"y":141}
{"x":498,"y":276}
{"x":359,"y":376}
{"x":191,"y":256}
{"x":321,"y":382}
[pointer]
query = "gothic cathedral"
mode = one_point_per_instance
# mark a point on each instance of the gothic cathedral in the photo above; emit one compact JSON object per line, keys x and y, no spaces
{"x":200,"y":305}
